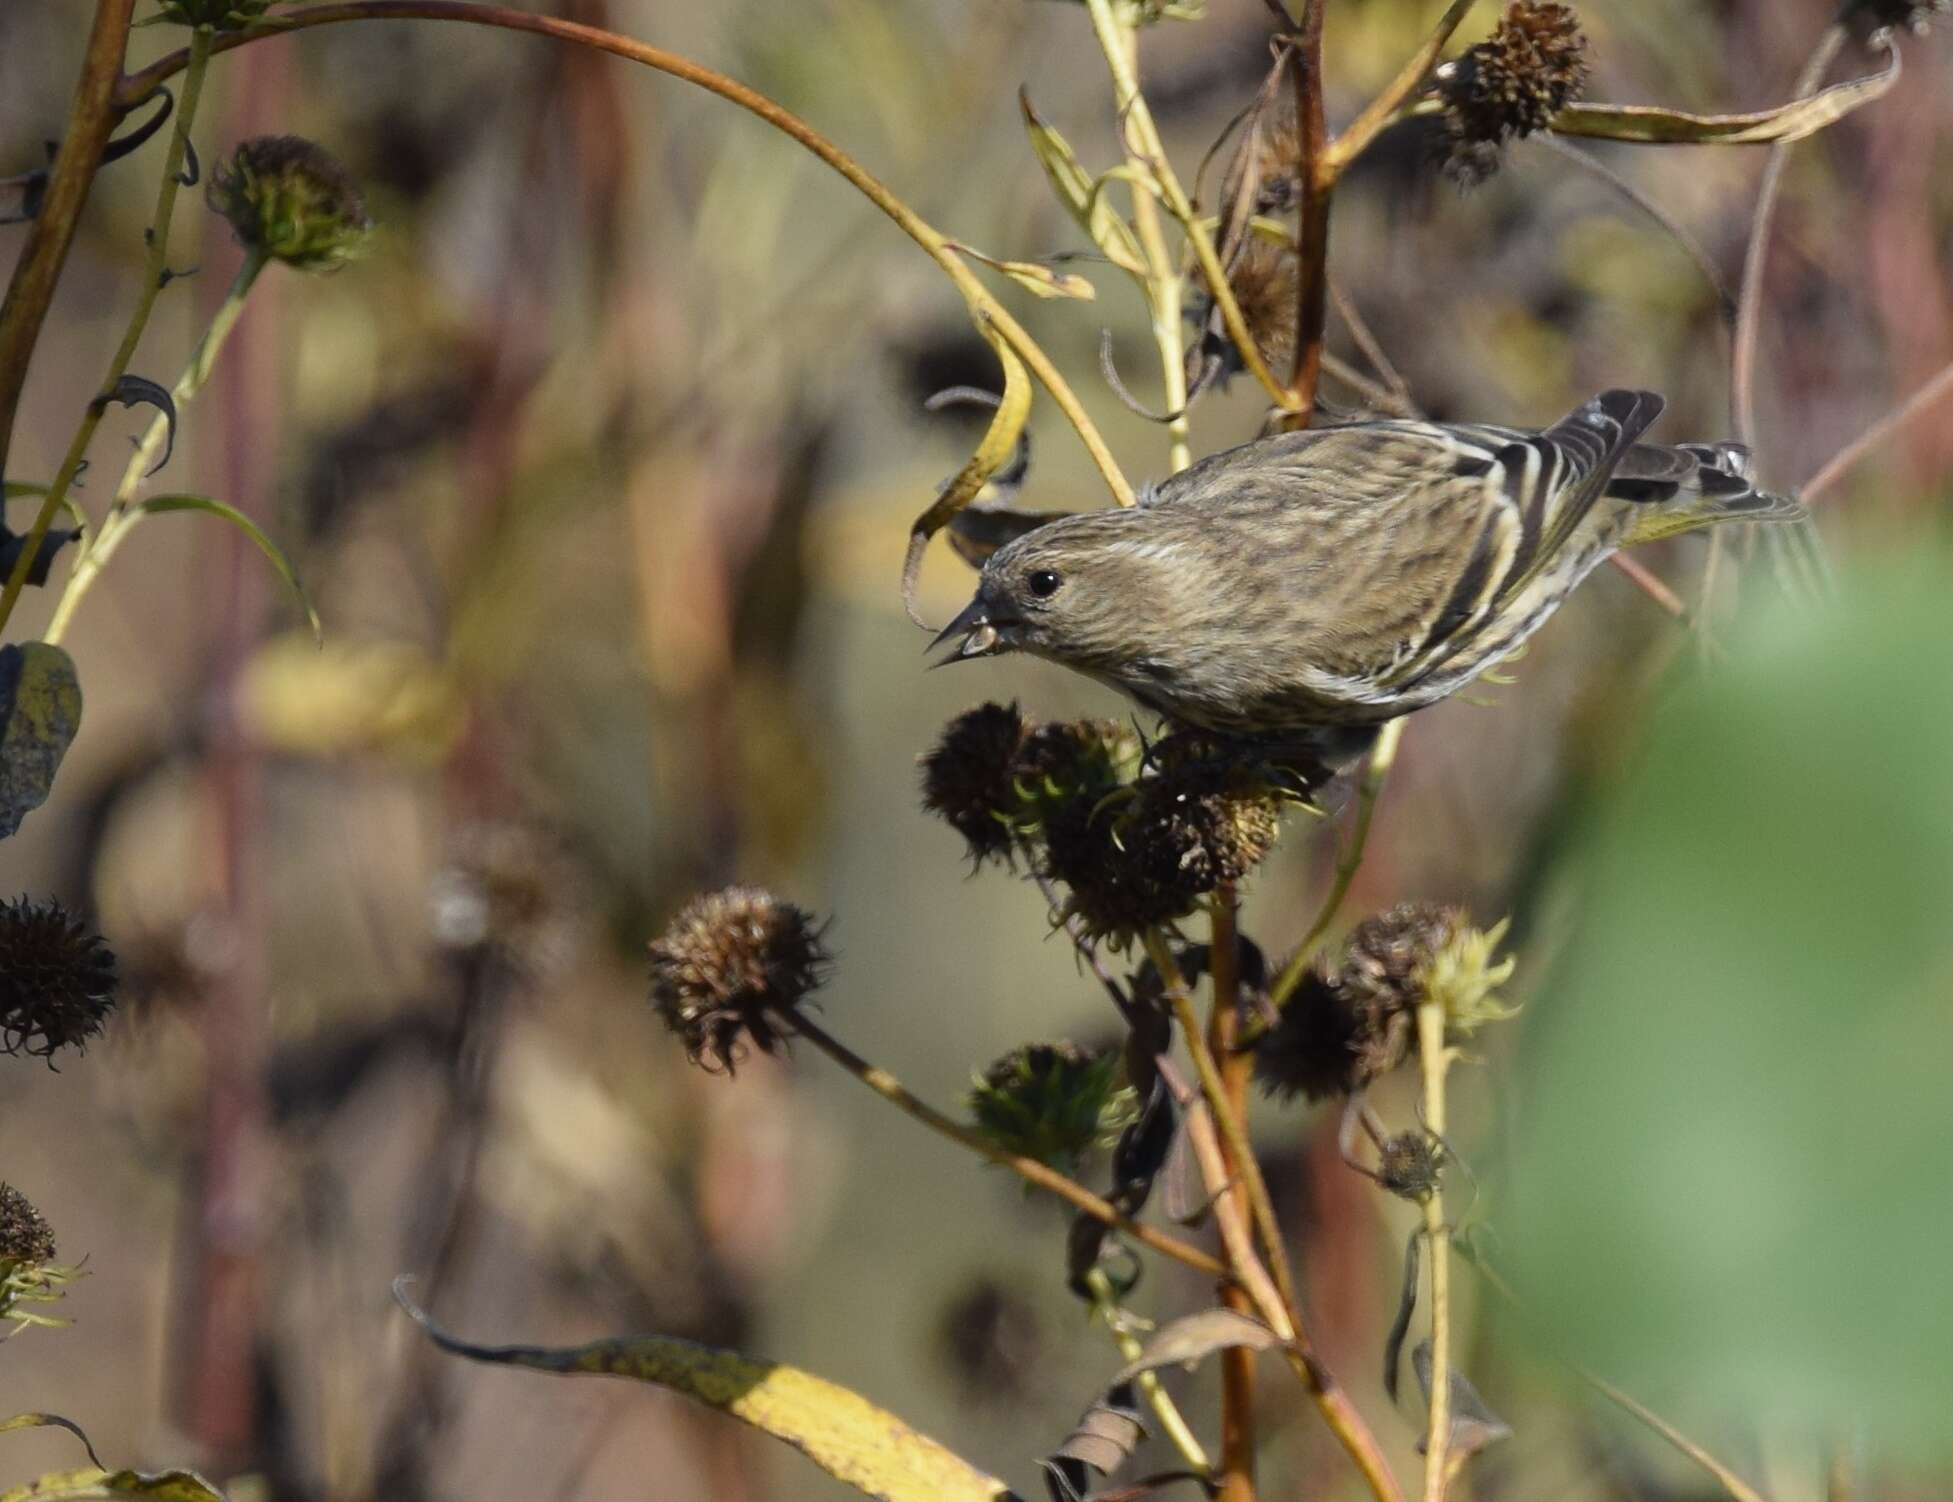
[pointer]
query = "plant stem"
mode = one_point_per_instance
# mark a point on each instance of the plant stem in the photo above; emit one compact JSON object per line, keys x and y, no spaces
{"x":1434,"y":1060}
{"x":1172,"y":1422}
{"x":1738,"y":1489}
{"x":1119,"y":40}
{"x":91,"y":120}
{"x":120,"y":519}
{"x":1915,"y":406}
{"x":1145,"y":148}
{"x":1331,"y":1401}
{"x":154,"y":265}
{"x":1382,"y":757}
{"x":1243,"y":1170}
{"x":1312,"y":221}
{"x":1236,"y":1068}
{"x":984,"y":307}
{"x":1072,"y":1192}
{"x":1380,"y":111}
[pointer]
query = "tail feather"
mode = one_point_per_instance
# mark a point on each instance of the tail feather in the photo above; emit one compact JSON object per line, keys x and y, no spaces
{"x":1691,"y":485}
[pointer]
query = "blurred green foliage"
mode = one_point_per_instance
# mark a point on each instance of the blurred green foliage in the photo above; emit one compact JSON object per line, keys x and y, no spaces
{"x":1733,"y":1182}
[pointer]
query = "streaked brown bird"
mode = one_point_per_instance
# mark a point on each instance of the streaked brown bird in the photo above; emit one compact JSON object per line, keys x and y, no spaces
{"x":1312,"y":585}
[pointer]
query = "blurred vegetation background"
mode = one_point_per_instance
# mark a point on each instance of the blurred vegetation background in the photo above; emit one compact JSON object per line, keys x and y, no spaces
{"x":600,"y":469}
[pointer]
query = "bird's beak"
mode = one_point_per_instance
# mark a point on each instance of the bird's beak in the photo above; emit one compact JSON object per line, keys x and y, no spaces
{"x":980,"y":637}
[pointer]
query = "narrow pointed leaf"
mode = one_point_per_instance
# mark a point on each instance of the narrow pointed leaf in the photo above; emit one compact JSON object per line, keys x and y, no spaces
{"x":161,"y":503}
{"x":844,"y":1434}
{"x":97,"y":1485}
{"x":1078,"y":191}
{"x":1033,"y":276}
{"x":49,"y":1421}
{"x":1185,"y":1341}
{"x":1474,"y":1426}
{"x":40,"y":710}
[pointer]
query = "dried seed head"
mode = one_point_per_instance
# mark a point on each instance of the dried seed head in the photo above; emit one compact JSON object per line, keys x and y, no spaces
{"x":1354,"y":1020}
{"x":57,"y":979}
{"x":290,"y":200}
{"x":1145,"y":857}
{"x":219,"y":15}
{"x":1916,"y":16}
{"x":1511,"y":84}
{"x":1054,"y":1102}
{"x":26,"y":1239}
{"x":1410,"y":1165}
{"x":969,"y":779}
{"x":1263,"y":280}
{"x":730,"y":968}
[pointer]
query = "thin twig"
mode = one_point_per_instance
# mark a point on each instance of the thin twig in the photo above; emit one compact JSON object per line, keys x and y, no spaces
{"x":1070,"y":1190}
{"x":1318,"y":183}
{"x":1738,"y":1489}
{"x":1434,"y":1060}
{"x":137,"y":87}
{"x":1236,"y":1069}
{"x":1381,"y":110}
{"x":91,"y":120}
{"x":1382,"y":757}
{"x":1651,"y":586}
{"x":154,"y":264}
{"x":1105,"y":1304}
{"x":1912,"y":408}
{"x":1372,"y":350}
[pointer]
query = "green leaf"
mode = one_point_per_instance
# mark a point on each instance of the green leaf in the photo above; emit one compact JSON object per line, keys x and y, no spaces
{"x":1079,"y":192}
{"x":40,"y":710}
{"x":161,"y":503}
{"x":49,"y":1421}
{"x":96,"y":1485}
{"x":1787,"y":122}
{"x":839,"y":1430}
{"x":1733,"y":1183}
{"x":1033,"y":276}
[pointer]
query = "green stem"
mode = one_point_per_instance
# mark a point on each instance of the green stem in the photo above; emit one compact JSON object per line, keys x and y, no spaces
{"x":1434,"y":1059}
{"x":121,"y":518}
{"x":1173,"y":1423}
{"x":1119,"y":40}
{"x":154,"y":265}
{"x":1382,"y":757}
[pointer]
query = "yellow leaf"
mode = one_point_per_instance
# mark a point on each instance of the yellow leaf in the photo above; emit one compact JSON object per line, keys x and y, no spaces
{"x":1079,"y":192}
{"x":1034,"y":277}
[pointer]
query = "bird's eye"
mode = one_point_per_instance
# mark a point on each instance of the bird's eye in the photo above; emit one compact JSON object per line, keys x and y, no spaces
{"x":1044,"y":583}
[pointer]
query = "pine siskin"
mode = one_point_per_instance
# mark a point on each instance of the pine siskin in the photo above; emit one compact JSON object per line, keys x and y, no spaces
{"x":1315,"y":584}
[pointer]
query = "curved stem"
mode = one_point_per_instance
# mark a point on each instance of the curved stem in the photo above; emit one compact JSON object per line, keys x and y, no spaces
{"x":1119,"y":40}
{"x":155,"y":264}
{"x":1236,"y":1069}
{"x":1383,"y":756}
{"x":120,"y":519}
{"x":138,"y":86}
{"x":1173,"y":1423}
{"x":1071,"y":1191}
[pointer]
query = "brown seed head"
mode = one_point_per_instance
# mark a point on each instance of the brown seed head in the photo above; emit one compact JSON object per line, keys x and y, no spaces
{"x":290,"y":200}
{"x":26,"y":1239}
{"x":969,"y":778}
{"x":1915,"y":16}
{"x":1409,"y":1165}
{"x":1511,"y":84}
{"x":57,"y":979}
{"x":731,"y":966}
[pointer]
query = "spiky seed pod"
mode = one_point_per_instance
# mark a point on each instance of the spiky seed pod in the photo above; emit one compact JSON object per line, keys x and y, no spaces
{"x":1354,"y":1020}
{"x":1263,"y":281}
{"x":1511,"y":84}
{"x":26,"y":1239}
{"x":1145,"y":859}
{"x":1915,"y":16}
{"x":290,"y":200}
{"x":730,"y":971}
{"x":219,"y":15}
{"x":1072,"y":761}
{"x":57,"y":979}
{"x":969,"y":778}
{"x":1054,"y":1102}
{"x":1410,"y":1165}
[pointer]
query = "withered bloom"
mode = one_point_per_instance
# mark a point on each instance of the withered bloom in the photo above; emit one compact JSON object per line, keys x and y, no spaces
{"x":1510,"y":85}
{"x":969,"y":778}
{"x":289,"y":199}
{"x":26,"y":1239}
{"x":57,"y":979}
{"x":730,"y":971}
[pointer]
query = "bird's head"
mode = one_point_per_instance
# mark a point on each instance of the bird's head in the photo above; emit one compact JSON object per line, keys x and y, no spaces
{"x":1079,"y":590}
